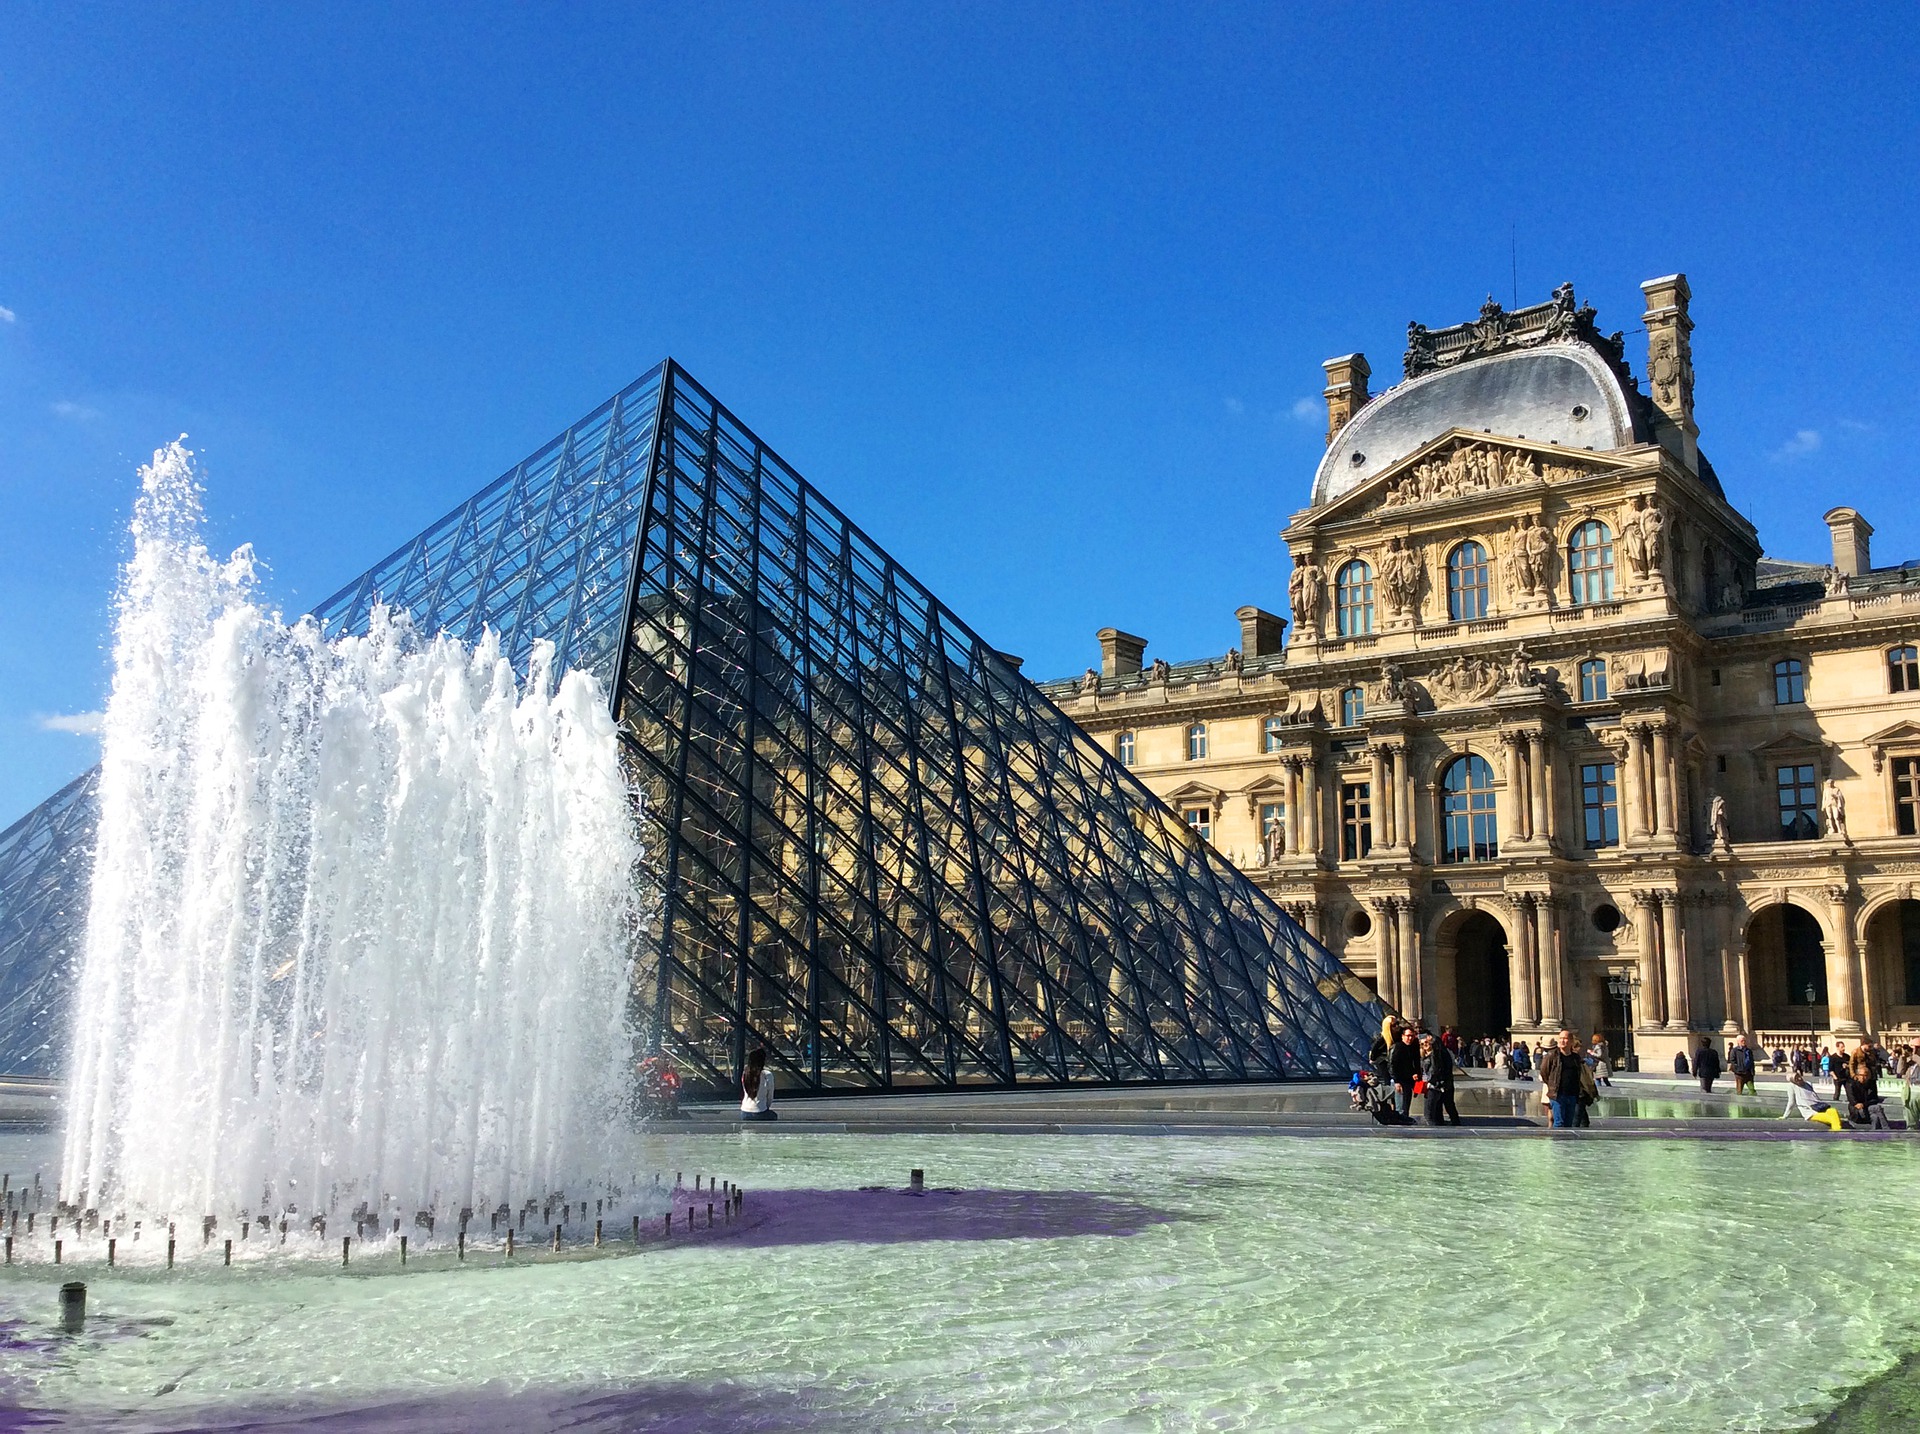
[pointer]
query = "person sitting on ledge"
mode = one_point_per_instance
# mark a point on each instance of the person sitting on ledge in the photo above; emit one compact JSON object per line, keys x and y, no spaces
{"x":756,"y":1088}
{"x":1803,"y":1102}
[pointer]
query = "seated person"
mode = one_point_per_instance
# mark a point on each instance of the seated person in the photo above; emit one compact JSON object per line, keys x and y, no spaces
{"x":1802,"y":1101}
{"x":756,"y":1088}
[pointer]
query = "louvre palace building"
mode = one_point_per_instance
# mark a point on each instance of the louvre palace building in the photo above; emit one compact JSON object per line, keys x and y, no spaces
{"x":1548,"y":739}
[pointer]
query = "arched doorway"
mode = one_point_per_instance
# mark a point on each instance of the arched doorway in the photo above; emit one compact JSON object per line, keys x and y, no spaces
{"x":1893,"y":965}
{"x":1787,"y":970}
{"x":1481,"y":987}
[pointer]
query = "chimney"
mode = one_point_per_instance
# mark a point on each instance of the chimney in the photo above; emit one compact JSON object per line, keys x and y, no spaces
{"x":1670,"y":363}
{"x":1261,"y":633}
{"x":1850,"y":534}
{"x":1120,"y":653}
{"x":1346,"y":390}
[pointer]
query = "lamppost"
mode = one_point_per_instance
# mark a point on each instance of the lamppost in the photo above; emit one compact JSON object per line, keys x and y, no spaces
{"x":1813,"y":1038}
{"x":1625,"y":984}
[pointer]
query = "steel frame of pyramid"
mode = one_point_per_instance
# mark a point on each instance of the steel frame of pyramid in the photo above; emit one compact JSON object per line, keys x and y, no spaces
{"x":880,"y":852}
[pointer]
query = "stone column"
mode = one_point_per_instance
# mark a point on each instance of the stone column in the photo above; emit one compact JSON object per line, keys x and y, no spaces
{"x":1294,"y":837}
{"x":1536,"y":787}
{"x":1632,"y":826}
{"x":1843,"y":986}
{"x":1387,"y":968}
{"x":1526,"y":991}
{"x":1550,"y":791}
{"x":1553,"y":1012}
{"x":1646,"y":917}
{"x":1402,"y":799}
{"x":1377,"y":793}
{"x":1408,"y":949}
{"x":1310,"y":803}
{"x":1732,"y":967}
{"x":1310,"y":918}
{"x":1674,"y":954}
{"x":1662,"y":782}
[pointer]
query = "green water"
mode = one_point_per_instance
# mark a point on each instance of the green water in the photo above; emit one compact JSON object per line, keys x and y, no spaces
{"x":1144,"y":1284}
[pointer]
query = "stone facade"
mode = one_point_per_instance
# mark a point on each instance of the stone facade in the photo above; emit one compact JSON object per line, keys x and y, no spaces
{"x":1551,"y":740}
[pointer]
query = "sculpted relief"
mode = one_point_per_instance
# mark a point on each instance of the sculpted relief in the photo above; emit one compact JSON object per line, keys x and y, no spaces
{"x":1530,"y":559}
{"x":1469,"y":468}
{"x":1465,"y":679}
{"x":1644,"y":539}
{"x":1306,"y":590}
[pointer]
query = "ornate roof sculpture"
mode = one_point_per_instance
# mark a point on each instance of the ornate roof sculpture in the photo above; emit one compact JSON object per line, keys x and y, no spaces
{"x":885,"y":855}
{"x":1498,"y":331}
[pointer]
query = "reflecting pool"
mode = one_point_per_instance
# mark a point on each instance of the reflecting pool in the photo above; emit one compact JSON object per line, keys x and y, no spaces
{"x":1069,"y":1283}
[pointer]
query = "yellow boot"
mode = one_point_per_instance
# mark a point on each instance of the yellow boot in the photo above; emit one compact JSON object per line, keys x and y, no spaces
{"x":1828,"y":1117}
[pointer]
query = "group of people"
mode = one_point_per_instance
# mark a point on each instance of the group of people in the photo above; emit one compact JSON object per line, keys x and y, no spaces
{"x":1406,"y":1061}
{"x":1854,"y":1078}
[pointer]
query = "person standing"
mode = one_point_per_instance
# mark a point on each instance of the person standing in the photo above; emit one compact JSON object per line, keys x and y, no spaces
{"x":1706,"y":1065}
{"x":1740,"y":1066}
{"x":1404,"y":1068}
{"x":1838,"y":1065}
{"x":1436,"y":1069}
{"x":1562,"y":1076}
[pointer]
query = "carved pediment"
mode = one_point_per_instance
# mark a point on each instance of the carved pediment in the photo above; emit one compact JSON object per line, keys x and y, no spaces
{"x":1460,"y":464}
{"x":1902,"y":736}
{"x":1195,"y":793}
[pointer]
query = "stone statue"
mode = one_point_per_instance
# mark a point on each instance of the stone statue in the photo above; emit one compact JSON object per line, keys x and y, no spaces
{"x":1732,"y":597}
{"x":1532,"y":553}
{"x":1400,"y":576}
{"x":1091,"y":681}
{"x":1653,"y":533}
{"x":1834,"y":806}
{"x":1160,"y":671}
{"x":1717,"y":822}
{"x":1520,"y":671}
{"x":1837,"y":583}
{"x":1393,"y":682}
{"x":1232,"y":660}
{"x":1633,"y":542}
{"x":1305,"y":588}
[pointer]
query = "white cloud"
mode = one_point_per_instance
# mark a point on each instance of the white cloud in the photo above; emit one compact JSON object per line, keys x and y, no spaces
{"x":7,"y":316}
{"x":78,"y":412}
{"x":1803,"y":442}
{"x":1307,"y":410}
{"x":79,"y":724}
{"x":1234,"y":405}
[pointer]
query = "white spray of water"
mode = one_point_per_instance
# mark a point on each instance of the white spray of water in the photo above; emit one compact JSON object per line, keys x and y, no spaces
{"x":362,"y":908}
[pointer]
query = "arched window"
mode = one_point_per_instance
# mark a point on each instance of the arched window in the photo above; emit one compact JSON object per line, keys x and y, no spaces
{"x":1353,"y":600}
{"x":1593,"y":680}
{"x":1903,"y":669}
{"x":1590,"y":563}
{"x":1353,"y":707}
{"x":1789,"y":681}
{"x":1196,"y":741}
{"x":1467,"y":583}
{"x":1467,"y":811}
{"x":1123,"y":748}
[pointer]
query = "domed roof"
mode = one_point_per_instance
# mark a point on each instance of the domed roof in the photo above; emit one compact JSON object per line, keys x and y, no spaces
{"x":1557,"y":392}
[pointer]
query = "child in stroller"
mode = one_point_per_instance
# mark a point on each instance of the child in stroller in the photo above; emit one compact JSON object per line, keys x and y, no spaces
{"x":1375,"y":1096}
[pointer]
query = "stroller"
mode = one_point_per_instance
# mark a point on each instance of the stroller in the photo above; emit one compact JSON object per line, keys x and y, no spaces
{"x":1375,"y":1096}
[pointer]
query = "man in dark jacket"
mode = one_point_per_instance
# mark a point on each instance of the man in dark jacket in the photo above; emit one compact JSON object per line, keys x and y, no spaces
{"x":1436,"y":1069}
{"x":1403,"y":1065}
{"x":1740,"y":1066}
{"x":1561,"y":1070}
{"x":1706,"y":1065}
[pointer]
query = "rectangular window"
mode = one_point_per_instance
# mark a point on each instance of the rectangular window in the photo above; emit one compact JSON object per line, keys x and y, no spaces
{"x":1124,"y":749}
{"x":1356,"y":820}
{"x":1593,"y":681}
{"x":1906,"y":795}
{"x":1273,"y":827}
{"x":1271,"y":734}
{"x":1799,"y":803}
{"x":1201,"y":820}
{"x":1599,"y":802}
{"x":1903,"y":669}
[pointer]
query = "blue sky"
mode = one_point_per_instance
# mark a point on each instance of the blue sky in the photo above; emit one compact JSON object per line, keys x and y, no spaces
{"x":1038,"y":293}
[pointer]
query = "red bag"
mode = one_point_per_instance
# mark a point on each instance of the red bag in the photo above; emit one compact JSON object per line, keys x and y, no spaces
{"x":1419,"y":1087}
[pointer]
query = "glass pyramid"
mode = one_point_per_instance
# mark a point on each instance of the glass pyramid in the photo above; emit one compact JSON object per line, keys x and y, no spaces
{"x":882,"y":853}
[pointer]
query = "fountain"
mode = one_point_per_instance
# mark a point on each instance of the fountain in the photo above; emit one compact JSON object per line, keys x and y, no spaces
{"x":362,"y":917}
